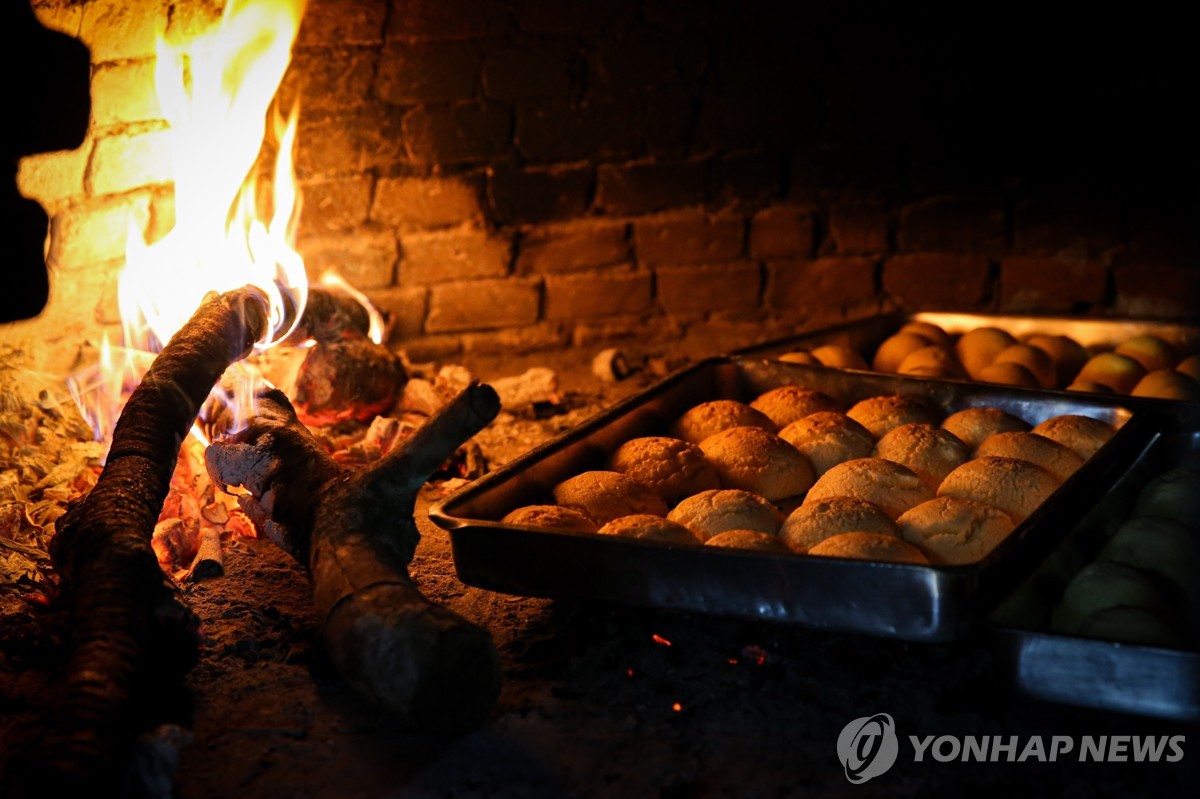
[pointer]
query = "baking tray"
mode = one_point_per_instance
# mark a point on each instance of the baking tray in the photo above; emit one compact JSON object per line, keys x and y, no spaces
{"x":1090,"y":672}
{"x":922,"y":603}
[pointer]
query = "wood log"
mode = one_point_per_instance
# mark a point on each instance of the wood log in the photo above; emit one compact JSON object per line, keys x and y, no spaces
{"x":128,"y":629}
{"x":330,"y":315}
{"x":356,"y":533}
{"x":354,"y":378}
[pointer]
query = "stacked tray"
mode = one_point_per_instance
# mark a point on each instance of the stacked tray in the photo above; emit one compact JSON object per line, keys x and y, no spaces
{"x":908,"y":601}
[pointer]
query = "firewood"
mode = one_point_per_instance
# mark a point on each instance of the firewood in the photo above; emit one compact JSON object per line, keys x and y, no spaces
{"x":210,"y":559}
{"x":128,"y":629}
{"x":353,"y":378}
{"x":330,"y":315}
{"x":356,"y":533}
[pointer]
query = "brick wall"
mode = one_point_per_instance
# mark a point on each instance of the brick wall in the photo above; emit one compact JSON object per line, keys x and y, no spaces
{"x":532,"y":172}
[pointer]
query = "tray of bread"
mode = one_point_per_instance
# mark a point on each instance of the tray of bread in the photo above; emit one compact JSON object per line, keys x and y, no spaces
{"x":1110,"y":618}
{"x":1142,"y":358}
{"x":881,"y":504}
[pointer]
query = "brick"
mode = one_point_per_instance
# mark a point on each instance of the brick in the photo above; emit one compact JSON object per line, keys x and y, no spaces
{"x":338,"y":204}
{"x":404,"y":308}
{"x":51,"y":178}
{"x":117,"y":29}
{"x":744,"y":180}
{"x":415,"y":203}
{"x":124,"y":93}
{"x":648,"y":186}
{"x":574,"y":246}
{"x":577,"y":131}
{"x":607,"y":330}
{"x":62,"y":16}
{"x":526,"y":196}
{"x":95,"y":231}
{"x":524,"y":75}
{"x":433,"y":348}
{"x":542,"y":336}
{"x":937,"y":280}
{"x":555,"y":16}
{"x":1080,"y":227}
{"x":458,"y":134}
{"x":822,"y":286}
{"x":349,"y":143}
{"x":329,"y":81}
{"x":365,"y":258}
{"x":688,"y":238}
{"x":483,"y":305}
{"x":420,"y":20}
{"x":701,"y":289}
{"x":428,"y":73}
{"x":858,"y":229}
{"x":459,"y":254}
{"x":1160,"y":289}
{"x":952,"y":224}
{"x":783,"y":231}
{"x":121,"y":163}
{"x":342,"y":22}
{"x":591,"y":294}
{"x":1032,"y":283}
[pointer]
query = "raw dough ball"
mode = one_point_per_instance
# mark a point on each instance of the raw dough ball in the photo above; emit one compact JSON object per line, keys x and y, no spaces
{"x":869,"y":546}
{"x":709,"y":418}
{"x":605,"y":496}
{"x":881,"y":414}
{"x":1038,"y":450}
{"x":892,"y":487}
{"x":828,"y":439}
{"x":551,"y":517}
{"x":1081,"y":434}
{"x":1133,"y":625}
{"x":813,"y":522}
{"x":673,"y":468}
{"x":929,"y":451}
{"x":1163,"y":547}
{"x":1172,"y":495}
{"x":954,"y":531}
{"x":1103,"y":585}
{"x":786,"y":404}
{"x":1016,"y":487}
{"x":649,"y":528}
{"x":710,"y":513}
{"x":973,"y":425}
{"x":754,"y":460}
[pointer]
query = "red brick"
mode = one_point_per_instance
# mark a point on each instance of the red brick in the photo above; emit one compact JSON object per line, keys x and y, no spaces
{"x":648,"y":186}
{"x":420,"y":20}
{"x":438,"y":347}
{"x":1032,"y":283}
{"x":121,"y":163}
{"x":715,"y":287}
{"x":349,"y":143}
{"x":524,"y":196}
{"x":688,"y":238}
{"x":591,"y":294}
{"x":95,"y":231}
{"x":342,"y":22}
{"x":425,"y":73}
{"x":803,"y":288}
{"x":858,"y":229}
{"x":953,"y":224}
{"x":427,"y":202}
{"x":640,"y":327}
{"x":404,"y":308}
{"x":457,"y":254}
{"x":1081,"y":227}
{"x":1157,"y":289}
{"x":937,"y":280}
{"x":782,"y":232}
{"x":329,"y":81}
{"x":483,"y":305}
{"x":458,"y":134}
{"x":574,"y":246}
{"x":524,"y":75}
{"x":332,"y":205}
{"x":365,"y":258}
{"x":542,"y":336}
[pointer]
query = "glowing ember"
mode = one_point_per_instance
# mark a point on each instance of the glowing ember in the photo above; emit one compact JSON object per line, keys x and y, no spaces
{"x":677,"y":707}
{"x":658,"y":639}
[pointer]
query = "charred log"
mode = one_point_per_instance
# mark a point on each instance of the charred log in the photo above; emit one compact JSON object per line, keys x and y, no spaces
{"x":353,"y":378}
{"x":330,"y":315}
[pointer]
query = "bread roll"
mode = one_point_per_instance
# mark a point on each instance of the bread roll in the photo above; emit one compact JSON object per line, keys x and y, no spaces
{"x":1035,"y":360}
{"x":1168,"y":384}
{"x":786,"y":404}
{"x":828,"y":439}
{"x":649,"y":528}
{"x":1150,"y":351}
{"x":604,"y":496}
{"x":754,"y":460}
{"x":1190,"y":366}
{"x":934,"y":333}
{"x":1162,"y":547}
{"x":1068,"y":355}
{"x":1038,"y":450}
{"x":748,"y":539}
{"x":869,"y":546}
{"x":673,"y":468}
{"x":977,"y":348}
{"x":973,"y":425}
{"x":839,"y":357}
{"x":890,"y":486}
{"x":1172,"y":495}
{"x":1089,"y":385}
{"x":892,"y":352}
{"x":813,"y":522}
{"x":1103,"y":585}
{"x":954,"y":531}
{"x":931,"y":362}
{"x":1009,"y":374}
{"x":929,"y":451}
{"x":1119,"y":372}
{"x":1016,"y":487}
{"x":800,"y":356}
{"x":881,"y":414}
{"x":708,"y":418}
{"x":710,"y":513}
{"x":1081,"y":434}
{"x":551,"y":517}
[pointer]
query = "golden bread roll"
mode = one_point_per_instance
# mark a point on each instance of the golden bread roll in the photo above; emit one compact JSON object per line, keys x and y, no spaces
{"x":869,"y":546}
{"x":748,"y":539}
{"x":1035,"y":360}
{"x":931,"y":452}
{"x":649,"y":528}
{"x":673,"y":468}
{"x":1014,"y":486}
{"x":828,"y":439}
{"x":710,"y":513}
{"x":1010,"y":374}
{"x":881,"y":414}
{"x":1190,"y":366}
{"x":976,"y":349}
{"x":893,"y":350}
{"x":786,"y":404}
{"x":1119,"y":372}
{"x":757,"y":461}
{"x":1150,"y":351}
{"x":931,"y":362}
{"x":551,"y":517}
{"x":1068,"y":355}
{"x":1168,"y":384}
{"x":973,"y":425}
{"x":800,"y":356}
{"x":839,"y":357}
{"x":1055,"y":458}
{"x":892,"y":487}
{"x":954,"y":531}
{"x":1082,"y":435}
{"x":813,"y":522}
{"x":1090,"y":385}
{"x":707,"y":418}
{"x":604,"y":496}
{"x":935,"y":334}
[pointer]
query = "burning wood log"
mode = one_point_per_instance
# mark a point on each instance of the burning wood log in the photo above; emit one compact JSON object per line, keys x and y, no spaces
{"x":330,"y":315}
{"x":128,"y":629}
{"x":351,"y":378}
{"x":356,"y":533}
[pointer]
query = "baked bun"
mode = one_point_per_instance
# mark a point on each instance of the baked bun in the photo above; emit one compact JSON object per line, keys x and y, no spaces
{"x":892,"y":487}
{"x":1119,"y":372}
{"x":755,"y":460}
{"x":1016,"y":487}
{"x":1009,"y":374}
{"x":1035,"y":360}
{"x":935,"y":334}
{"x":786,"y":404}
{"x":1039,"y":450}
{"x":708,"y":418}
{"x":711,"y":513}
{"x":892,"y":352}
{"x":649,"y":528}
{"x":839,"y":357}
{"x":1102,"y":585}
{"x":799,"y":356}
{"x":604,"y":496}
{"x":929,"y":451}
{"x":954,"y":531}
{"x":551,"y":517}
{"x":1068,"y":355}
{"x":1089,"y":385}
{"x":748,"y":539}
{"x":931,"y":362}
{"x":828,"y":439}
{"x":869,"y":546}
{"x":1082,"y":435}
{"x":977,"y":348}
{"x":1168,"y":384}
{"x":813,"y":522}
{"x":1150,"y":351}
{"x":973,"y":425}
{"x":881,"y":414}
{"x":673,"y":468}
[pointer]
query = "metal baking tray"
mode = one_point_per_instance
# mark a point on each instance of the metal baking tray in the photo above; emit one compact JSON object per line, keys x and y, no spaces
{"x":887,"y":599}
{"x":1090,"y":672}
{"x":865,"y":335}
